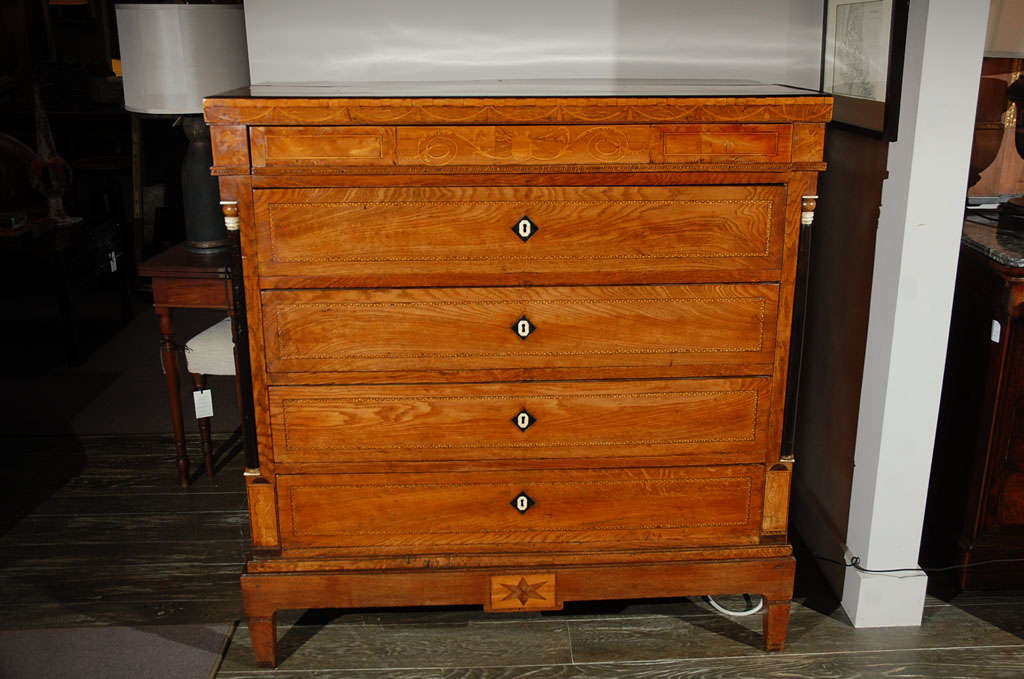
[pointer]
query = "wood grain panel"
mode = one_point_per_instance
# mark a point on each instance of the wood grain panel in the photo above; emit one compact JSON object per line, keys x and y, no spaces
{"x":230,"y":145}
{"x":331,"y":232}
{"x":262,"y":517}
{"x":322,"y":146}
{"x":808,"y":142}
{"x":776,"y":498}
{"x":523,"y":145}
{"x":721,"y":143}
{"x":693,"y":421}
{"x":473,"y":511}
{"x":466,"y":328}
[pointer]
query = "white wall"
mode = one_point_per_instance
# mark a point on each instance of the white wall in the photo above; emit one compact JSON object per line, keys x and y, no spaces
{"x":777,"y":41}
{"x":912,"y":292}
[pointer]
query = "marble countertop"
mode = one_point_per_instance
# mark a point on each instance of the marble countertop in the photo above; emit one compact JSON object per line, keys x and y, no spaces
{"x":1000,"y":245}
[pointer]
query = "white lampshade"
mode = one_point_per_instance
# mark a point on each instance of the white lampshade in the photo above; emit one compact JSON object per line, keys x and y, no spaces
{"x":1005,"y":29}
{"x":174,"y":55}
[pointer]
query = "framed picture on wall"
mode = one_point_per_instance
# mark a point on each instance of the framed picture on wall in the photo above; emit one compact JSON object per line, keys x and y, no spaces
{"x":862,"y":62}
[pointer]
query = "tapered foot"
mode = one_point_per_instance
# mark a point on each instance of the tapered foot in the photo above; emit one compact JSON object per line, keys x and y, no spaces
{"x":774,"y":623}
{"x":263,"y":632}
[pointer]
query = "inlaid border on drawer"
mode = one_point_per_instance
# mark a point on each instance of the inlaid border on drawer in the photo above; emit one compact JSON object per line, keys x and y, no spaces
{"x":690,"y":421}
{"x":565,"y":509}
{"x":521,"y":328}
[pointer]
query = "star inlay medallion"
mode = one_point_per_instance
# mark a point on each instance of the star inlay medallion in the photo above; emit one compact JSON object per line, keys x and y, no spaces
{"x":524,"y":591}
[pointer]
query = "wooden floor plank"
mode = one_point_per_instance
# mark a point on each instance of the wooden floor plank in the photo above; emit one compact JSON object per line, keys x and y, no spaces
{"x":153,"y":583}
{"x":991,"y":663}
{"x":135,"y":613}
{"x":406,"y":646}
{"x":655,"y":639}
{"x":144,"y":528}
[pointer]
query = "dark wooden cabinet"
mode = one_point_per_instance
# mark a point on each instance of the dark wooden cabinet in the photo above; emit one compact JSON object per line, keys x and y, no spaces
{"x":513,"y":351}
{"x":976,"y":497}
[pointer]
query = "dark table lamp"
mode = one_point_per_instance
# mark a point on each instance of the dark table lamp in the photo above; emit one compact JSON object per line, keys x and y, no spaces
{"x":172,"y":56}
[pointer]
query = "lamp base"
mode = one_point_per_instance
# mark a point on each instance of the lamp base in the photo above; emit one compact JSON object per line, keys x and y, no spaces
{"x":204,"y":222}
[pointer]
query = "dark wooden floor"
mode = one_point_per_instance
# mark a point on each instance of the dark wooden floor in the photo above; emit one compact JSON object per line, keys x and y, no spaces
{"x":99,"y":534}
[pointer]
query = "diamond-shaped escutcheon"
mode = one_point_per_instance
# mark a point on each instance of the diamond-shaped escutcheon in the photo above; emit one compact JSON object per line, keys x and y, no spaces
{"x":523,"y":420}
{"x":522,"y":502}
{"x":523,"y":327}
{"x":525,"y":228}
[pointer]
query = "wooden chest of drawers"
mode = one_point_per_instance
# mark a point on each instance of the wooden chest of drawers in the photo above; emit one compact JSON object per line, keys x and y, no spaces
{"x":514,"y":351}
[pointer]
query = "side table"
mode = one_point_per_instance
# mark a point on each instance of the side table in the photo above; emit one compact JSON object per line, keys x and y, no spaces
{"x":975,"y":512}
{"x":186,"y":280}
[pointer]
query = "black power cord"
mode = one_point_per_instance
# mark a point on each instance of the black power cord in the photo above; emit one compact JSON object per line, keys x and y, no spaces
{"x":855,"y":564}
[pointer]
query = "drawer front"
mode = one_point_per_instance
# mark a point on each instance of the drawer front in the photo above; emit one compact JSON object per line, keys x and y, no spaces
{"x":523,"y":145}
{"x":543,"y":510}
{"x":722,"y":144}
{"x":348,"y":232}
{"x":512,"y":328}
{"x":696,"y":421}
{"x":285,"y":147}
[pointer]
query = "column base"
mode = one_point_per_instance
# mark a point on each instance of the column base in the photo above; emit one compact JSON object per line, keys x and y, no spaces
{"x":884,"y":599}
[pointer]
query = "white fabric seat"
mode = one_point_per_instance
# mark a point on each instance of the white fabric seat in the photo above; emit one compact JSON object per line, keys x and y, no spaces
{"x":212,"y":352}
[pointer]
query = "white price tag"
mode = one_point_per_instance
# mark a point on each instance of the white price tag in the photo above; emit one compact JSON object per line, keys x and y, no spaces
{"x":204,"y":403}
{"x":996,"y":331}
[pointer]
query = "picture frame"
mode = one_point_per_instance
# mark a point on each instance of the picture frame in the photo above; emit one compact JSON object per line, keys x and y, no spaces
{"x":862,"y":62}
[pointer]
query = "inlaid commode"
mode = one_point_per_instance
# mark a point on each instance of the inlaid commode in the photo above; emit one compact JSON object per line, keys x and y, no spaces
{"x":517,"y":351}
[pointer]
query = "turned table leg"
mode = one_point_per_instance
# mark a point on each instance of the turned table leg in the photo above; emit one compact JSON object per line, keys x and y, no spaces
{"x":199,"y":383}
{"x":774,"y":623}
{"x":169,"y":354}
{"x":263,"y":632}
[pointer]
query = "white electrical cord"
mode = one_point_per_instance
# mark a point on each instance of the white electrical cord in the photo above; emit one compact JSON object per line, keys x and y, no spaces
{"x":738,"y":614}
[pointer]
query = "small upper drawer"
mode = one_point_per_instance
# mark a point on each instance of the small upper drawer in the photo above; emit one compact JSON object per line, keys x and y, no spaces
{"x":684,"y":421}
{"x":321,"y":146}
{"x":523,"y":510}
{"x":722,"y":144}
{"x":703,"y":327}
{"x":716,"y":231}
{"x":292,"y":147}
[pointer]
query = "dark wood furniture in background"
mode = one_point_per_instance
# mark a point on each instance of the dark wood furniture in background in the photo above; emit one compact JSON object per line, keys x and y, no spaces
{"x":186,"y":280}
{"x":518,"y":350}
{"x":976,"y":496}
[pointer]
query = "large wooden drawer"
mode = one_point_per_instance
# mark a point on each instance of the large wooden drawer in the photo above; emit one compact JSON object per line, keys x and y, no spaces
{"x":522,"y":327}
{"x":722,"y":232}
{"x":694,"y":421}
{"x":562,"y":509}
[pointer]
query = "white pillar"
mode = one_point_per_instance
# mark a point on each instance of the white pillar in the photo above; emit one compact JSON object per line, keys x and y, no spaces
{"x":911,"y":298}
